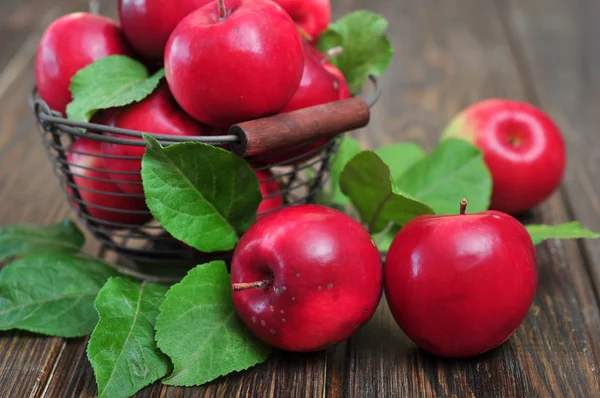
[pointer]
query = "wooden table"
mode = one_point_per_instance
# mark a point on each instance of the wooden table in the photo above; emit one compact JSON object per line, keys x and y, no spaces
{"x":449,"y":54}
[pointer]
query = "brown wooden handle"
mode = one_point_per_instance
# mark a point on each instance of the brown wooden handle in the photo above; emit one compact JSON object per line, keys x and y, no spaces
{"x":287,"y":130}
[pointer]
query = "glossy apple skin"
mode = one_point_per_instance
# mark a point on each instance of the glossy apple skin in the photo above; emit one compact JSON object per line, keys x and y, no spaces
{"x":249,"y":65}
{"x":125,"y":210}
{"x":326,"y":272}
{"x":313,"y":16}
{"x":69,"y":44}
{"x":522,"y":147}
{"x":321,"y":83}
{"x":270,"y":190}
{"x":147,"y":24}
{"x":459,"y":286}
{"x":159,"y":114}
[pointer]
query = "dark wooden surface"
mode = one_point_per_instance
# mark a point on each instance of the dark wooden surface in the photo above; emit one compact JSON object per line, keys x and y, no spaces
{"x":449,"y":53}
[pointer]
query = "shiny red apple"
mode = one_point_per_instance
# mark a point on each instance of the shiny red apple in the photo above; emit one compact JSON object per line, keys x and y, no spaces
{"x":321,"y":83}
{"x":233,"y":61}
{"x":159,"y":114}
{"x":71,"y":43}
{"x":306,"y":277}
{"x":271,"y":192}
{"x":147,"y":24}
{"x":461,"y":285}
{"x":312,"y":16}
{"x":104,"y":201}
{"x":522,"y":147}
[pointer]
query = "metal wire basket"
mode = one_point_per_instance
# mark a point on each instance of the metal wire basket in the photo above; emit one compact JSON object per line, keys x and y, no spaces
{"x":301,"y":178}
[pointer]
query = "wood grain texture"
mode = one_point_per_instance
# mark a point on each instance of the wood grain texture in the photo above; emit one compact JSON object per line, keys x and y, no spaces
{"x":451,"y":54}
{"x":448,"y":55}
{"x":555,"y":44}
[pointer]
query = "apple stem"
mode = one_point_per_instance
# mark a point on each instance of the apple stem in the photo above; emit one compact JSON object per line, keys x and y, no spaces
{"x":334,"y":52}
{"x":222,"y":10}
{"x":238,"y":287}
{"x":463,"y":206}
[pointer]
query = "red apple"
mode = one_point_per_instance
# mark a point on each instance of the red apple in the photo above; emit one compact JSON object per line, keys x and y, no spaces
{"x":313,"y":16}
{"x":104,"y":201}
{"x":69,"y":44}
{"x":159,"y":114}
{"x":306,"y":277}
{"x":460,"y":285}
{"x":234,"y":60}
{"x":321,"y":83}
{"x":271,"y":192}
{"x":147,"y":24}
{"x":522,"y":147}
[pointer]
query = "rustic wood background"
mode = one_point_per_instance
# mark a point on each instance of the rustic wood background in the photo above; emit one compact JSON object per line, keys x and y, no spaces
{"x":449,"y":54}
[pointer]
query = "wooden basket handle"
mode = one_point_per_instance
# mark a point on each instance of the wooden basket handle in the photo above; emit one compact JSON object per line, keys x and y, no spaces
{"x":285,"y":130}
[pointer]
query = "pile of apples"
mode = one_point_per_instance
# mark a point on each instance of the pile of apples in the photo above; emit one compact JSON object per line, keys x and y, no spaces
{"x":226,"y":61}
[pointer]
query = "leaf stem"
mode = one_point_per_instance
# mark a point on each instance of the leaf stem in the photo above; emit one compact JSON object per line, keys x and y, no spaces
{"x":238,"y":287}
{"x":334,"y":52}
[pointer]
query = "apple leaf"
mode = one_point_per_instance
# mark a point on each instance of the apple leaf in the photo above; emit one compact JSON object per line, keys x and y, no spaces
{"x":348,"y":148}
{"x":24,"y":240}
{"x":109,"y":82}
{"x":198,"y":328}
{"x":202,"y":195}
{"x":453,"y":171}
{"x":122,"y":349}
{"x":400,"y":157}
{"x":367,"y":49}
{"x":572,"y":230}
{"x":52,"y":294}
{"x":367,"y":181}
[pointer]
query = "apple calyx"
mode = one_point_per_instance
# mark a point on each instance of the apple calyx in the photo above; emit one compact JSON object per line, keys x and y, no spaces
{"x":222,"y":10}
{"x":333,"y":52}
{"x":238,"y":287}
{"x":463,"y":206}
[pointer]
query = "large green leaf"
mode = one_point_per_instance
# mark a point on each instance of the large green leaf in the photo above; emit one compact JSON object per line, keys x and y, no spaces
{"x":572,"y":230}
{"x":23,"y":240}
{"x":202,"y":195}
{"x":110,"y":82}
{"x":367,"y":181}
{"x":400,"y":157}
{"x":199,"y":330}
{"x":51,"y":294}
{"x":453,"y":171}
{"x":122,"y":349}
{"x":367,"y":49}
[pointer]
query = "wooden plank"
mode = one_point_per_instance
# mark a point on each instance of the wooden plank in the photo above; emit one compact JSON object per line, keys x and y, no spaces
{"x":563,"y":60}
{"x":29,"y":191}
{"x":450,"y":54}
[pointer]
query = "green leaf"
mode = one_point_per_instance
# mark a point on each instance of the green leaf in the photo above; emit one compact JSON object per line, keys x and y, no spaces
{"x":23,"y":240}
{"x":367,"y":181}
{"x":199,"y":330}
{"x":348,"y":148}
{"x":572,"y":230}
{"x":453,"y":171}
{"x":122,"y":349}
{"x":400,"y":157}
{"x":367,"y":49}
{"x":51,"y":294}
{"x":109,"y":82}
{"x":202,"y":195}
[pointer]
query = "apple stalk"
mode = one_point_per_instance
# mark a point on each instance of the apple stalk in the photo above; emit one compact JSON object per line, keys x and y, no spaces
{"x":463,"y":206}
{"x":222,"y":10}
{"x":238,"y":287}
